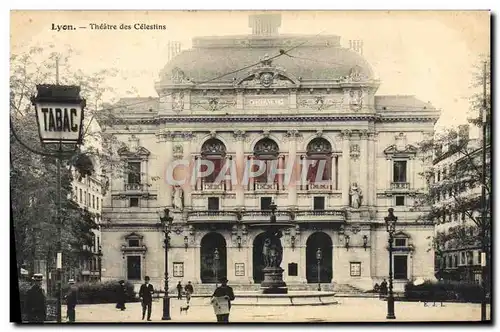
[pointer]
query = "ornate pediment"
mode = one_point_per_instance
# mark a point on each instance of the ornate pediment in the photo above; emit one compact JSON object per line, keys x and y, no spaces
{"x":133,"y":236}
{"x":407,"y":150}
{"x":266,"y":148}
{"x":268,"y":76}
{"x":213,"y":147}
{"x":401,"y":235}
{"x":139,"y":153}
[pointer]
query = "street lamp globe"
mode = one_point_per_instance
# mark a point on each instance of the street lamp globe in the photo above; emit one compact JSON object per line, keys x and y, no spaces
{"x":390,"y":221}
{"x":318,"y":254}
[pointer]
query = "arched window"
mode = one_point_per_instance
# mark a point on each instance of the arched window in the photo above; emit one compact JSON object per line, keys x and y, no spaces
{"x":319,"y":155}
{"x":214,"y":151}
{"x":267,"y":151}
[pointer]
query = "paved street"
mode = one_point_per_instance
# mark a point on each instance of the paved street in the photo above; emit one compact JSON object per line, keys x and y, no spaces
{"x":348,"y":310}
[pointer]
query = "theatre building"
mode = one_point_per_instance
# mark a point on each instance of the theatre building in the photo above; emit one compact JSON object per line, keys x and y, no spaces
{"x":315,"y":102}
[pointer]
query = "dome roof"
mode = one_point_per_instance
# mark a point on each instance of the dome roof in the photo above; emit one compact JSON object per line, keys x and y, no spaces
{"x":317,"y":58}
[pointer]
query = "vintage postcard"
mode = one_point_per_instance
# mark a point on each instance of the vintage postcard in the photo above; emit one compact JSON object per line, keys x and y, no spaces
{"x":250,"y":167}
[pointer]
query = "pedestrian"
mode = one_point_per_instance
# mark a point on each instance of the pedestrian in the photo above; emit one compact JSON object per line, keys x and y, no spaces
{"x":189,"y":291}
{"x":227,"y":293}
{"x":121,"y":296}
{"x":146,"y":296}
{"x":71,"y":301}
{"x":383,"y":288}
{"x":36,"y":309}
{"x":179,"y":291}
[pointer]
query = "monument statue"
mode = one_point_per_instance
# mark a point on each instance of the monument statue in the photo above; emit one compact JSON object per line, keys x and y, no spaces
{"x":178,"y":198}
{"x":356,"y":196}
{"x":273,"y":250}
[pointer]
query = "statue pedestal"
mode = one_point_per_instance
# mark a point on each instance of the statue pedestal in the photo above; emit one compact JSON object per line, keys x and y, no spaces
{"x":273,"y":281}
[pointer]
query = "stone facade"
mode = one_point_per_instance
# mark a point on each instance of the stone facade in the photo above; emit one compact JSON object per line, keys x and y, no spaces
{"x":364,"y":135}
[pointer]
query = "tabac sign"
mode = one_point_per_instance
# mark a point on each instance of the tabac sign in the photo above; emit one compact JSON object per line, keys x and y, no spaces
{"x":59,"y":113}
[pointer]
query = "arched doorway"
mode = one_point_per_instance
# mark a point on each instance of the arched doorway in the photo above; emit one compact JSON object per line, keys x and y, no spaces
{"x":258,"y":258}
{"x":212,"y":269}
{"x":324,"y":242}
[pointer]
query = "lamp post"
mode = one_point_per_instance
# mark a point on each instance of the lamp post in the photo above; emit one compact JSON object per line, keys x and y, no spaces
{"x":216,"y":265}
{"x":59,"y":113}
{"x":166,"y":223}
{"x":318,"y":259}
{"x":390,"y":223}
{"x":99,"y":262}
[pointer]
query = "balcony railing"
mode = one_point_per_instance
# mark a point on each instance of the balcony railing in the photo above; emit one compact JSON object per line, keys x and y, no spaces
{"x":318,"y":186}
{"x":263,"y":216}
{"x":320,"y":215}
{"x":204,"y":216}
{"x":265,"y":186}
{"x":400,"y":185}
{"x":134,"y":186}
{"x":213,"y":186}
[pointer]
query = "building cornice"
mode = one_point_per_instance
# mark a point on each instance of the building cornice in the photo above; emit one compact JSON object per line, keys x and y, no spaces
{"x":261,"y":118}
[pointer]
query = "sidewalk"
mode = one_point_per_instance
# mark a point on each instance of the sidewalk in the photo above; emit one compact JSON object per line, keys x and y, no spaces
{"x":348,"y":310}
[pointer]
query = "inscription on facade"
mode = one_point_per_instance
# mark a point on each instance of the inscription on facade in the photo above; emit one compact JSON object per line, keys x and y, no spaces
{"x":263,"y":102}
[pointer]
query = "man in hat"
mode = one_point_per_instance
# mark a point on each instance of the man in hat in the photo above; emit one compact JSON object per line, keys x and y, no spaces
{"x":36,"y":309}
{"x":121,"y":296}
{"x":227,"y":293}
{"x":146,"y":296}
{"x":189,"y":291}
{"x":71,"y":300}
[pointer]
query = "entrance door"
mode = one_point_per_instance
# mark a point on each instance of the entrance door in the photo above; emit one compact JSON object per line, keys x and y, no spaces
{"x":324,"y":242}
{"x":258,"y":258}
{"x":212,"y":269}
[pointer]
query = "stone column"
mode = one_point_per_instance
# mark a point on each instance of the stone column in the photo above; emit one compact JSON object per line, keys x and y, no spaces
{"x":372,"y":170}
{"x":410,"y":176}
{"x":164,"y":160}
{"x":302,"y":263}
{"x":228,"y":183}
{"x":251,"y":180}
{"x":240,"y":136}
{"x":281,"y":162}
{"x":187,"y":156}
{"x":197,"y":264}
{"x":375,"y":168}
{"x":346,"y":173}
{"x":389,"y":172}
{"x":293,"y":136}
{"x":364,"y":166}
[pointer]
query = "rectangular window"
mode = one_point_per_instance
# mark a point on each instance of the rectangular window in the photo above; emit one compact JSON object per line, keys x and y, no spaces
{"x":81,"y":198}
{"x":462,"y":258}
{"x":88,"y":200}
{"x":213,"y":203}
{"x":218,"y":166}
{"x":134,"y":172}
{"x":400,"y":242}
{"x":134,"y":202}
{"x":134,"y":243}
{"x":97,"y":203}
{"x":400,"y":201}
{"x":293,"y":270}
{"x":336,"y":173}
{"x":355,"y":269}
{"x":313,"y":173}
{"x":401,"y":267}
{"x":93,"y":201}
{"x":85,"y":197}
{"x":439,"y":176}
{"x":101,"y":203}
{"x":178,"y":269}
{"x":319,"y":203}
{"x":98,"y":242}
{"x":134,"y":267}
{"x":265,"y":203}
{"x":399,"y":171}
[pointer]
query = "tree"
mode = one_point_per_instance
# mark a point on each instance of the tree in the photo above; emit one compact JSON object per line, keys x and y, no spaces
{"x":33,"y":176}
{"x":457,"y":194}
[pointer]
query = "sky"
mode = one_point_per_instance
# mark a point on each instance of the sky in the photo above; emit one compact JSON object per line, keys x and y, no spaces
{"x":428,"y":54}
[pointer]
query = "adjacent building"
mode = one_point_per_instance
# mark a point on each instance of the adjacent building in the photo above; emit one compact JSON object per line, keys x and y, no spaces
{"x":88,"y":193}
{"x":313,"y":105}
{"x":459,"y":255}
